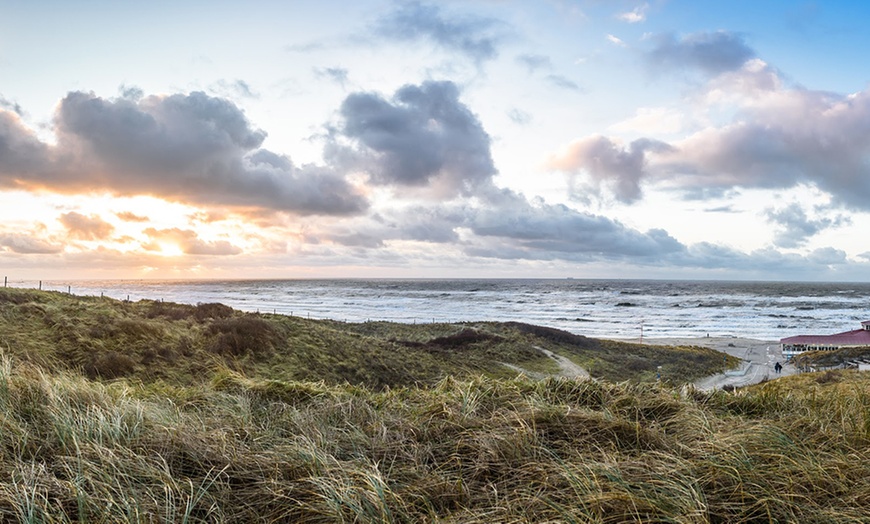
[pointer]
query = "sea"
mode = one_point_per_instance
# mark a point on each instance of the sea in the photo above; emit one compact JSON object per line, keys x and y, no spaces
{"x":617,"y":309}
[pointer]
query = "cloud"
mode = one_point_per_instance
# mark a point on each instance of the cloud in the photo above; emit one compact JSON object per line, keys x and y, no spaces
{"x":432,"y":224}
{"x":305,"y":47}
{"x":27,"y":245}
{"x":127,"y":216}
{"x":512,"y":227}
{"x":795,"y":137}
{"x":711,"y":53}
{"x":8,"y":105}
{"x":83,"y":227}
{"x":192,"y":148}
{"x":21,"y":152}
{"x":518,"y":116}
{"x":615,"y":40}
{"x":608,"y":163}
{"x":236,"y":89}
{"x":775,"y":137}
{"x":475,"y":37}
{"x":534,"y":63}
{"x":797,"y":228}
{"x":563,"y":83}
{"x":721,"y":209}
{"x":827,"y":256}
{"x":188,"y":242}
{"x":337,"y":75}
{"x":423,"y":137}
{"x":158,"y":134}
{"x":638,"y":14}
{"x":505,"y":225}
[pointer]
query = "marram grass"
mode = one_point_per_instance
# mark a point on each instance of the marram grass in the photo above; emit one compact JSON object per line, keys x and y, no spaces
{"x":478,"y":450}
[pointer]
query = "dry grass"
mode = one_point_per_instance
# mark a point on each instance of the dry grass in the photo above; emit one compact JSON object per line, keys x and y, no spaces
{"x":151,"y":412}
{"x":182,"y":344}
{"x":481,"y":450}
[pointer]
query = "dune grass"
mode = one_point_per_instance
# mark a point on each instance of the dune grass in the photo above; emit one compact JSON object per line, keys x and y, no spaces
{"x":154,"y":412}
{"x":479,"y":450}
{"x":183,"y":344}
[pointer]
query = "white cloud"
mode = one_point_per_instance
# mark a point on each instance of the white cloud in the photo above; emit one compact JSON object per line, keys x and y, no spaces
{"x":616,"y":40}
{"x":636,"y":15}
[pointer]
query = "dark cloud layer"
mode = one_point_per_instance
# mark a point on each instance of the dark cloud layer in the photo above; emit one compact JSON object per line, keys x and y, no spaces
{"x":423,"y":136}
{"x":540,"y":230}
{"x":192,"y":148}
{"x":711,"y":53}
{"x":21,"y":152}
{"x":475,"y":37}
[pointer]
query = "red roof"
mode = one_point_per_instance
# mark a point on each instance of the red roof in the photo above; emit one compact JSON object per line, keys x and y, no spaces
{"x":858,"y":337}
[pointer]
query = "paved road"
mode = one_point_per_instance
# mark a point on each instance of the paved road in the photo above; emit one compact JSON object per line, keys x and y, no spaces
{"x":759,"y":359}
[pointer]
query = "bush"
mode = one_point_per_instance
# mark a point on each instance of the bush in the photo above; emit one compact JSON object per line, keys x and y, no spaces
{"x":241,"y":335}
{"x":170,"y":310}
{"x":214,"y":310}
{"x":463,"y":338}
{"x":110,"y":365}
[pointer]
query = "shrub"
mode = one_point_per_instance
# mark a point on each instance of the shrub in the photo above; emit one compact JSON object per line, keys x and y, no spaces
{"x":110,"y":365}
{"x":214,"y":310}
{"x":241,"y":335}
{"x":169,"y":310}
{"x":463,"y":338}
{"x":552,"y":334}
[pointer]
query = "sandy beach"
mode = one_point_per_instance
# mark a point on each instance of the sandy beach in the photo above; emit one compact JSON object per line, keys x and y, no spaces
{"x":759,"y":358}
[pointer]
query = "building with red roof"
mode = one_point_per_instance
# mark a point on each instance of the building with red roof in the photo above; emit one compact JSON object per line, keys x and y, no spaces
{"x":792,"y":346}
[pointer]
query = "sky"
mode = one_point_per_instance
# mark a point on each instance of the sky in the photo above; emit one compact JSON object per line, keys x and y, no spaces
{"x":666,"y":139}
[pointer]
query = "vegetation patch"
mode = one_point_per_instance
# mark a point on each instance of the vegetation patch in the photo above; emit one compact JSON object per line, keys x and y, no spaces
{"x":244,"y":449}
{"x":183,"y":344}
{"x":830,"y":359}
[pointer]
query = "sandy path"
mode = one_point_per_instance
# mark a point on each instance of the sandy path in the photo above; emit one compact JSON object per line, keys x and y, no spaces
{"x":567,"y":368}
{"x":759,"y":358}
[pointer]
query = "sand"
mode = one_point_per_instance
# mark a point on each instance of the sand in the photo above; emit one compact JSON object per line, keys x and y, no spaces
{"x":759,"y":358}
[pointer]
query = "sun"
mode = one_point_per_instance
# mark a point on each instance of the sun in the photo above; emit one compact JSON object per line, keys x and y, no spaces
{"x":168,"y":249}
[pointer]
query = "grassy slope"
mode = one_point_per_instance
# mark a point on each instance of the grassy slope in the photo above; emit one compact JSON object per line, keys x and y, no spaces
{"x":484,"y":450}
{"x":220,"y":416}
{"x":182,"y":344}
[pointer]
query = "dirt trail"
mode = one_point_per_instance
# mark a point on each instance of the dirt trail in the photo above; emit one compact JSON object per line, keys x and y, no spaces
{"x":567,"y":368}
